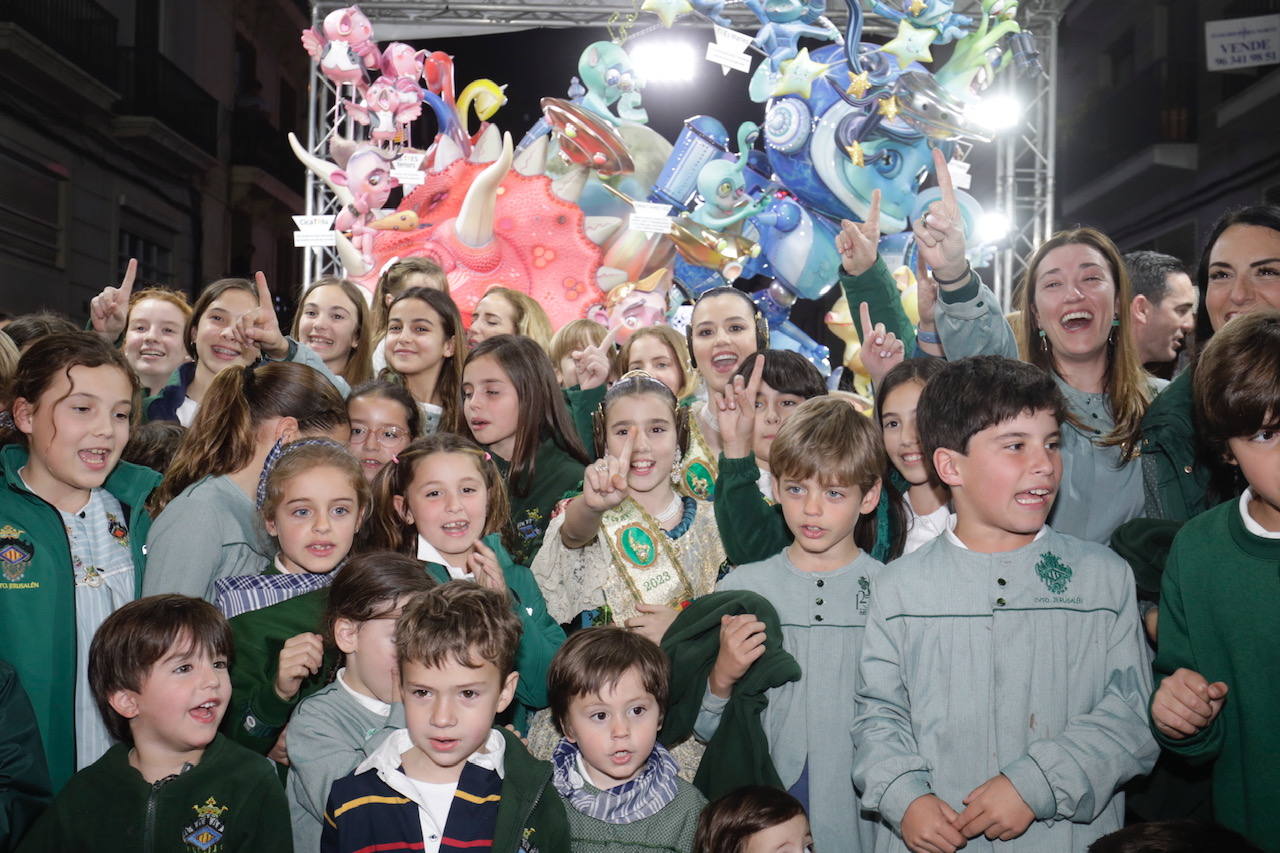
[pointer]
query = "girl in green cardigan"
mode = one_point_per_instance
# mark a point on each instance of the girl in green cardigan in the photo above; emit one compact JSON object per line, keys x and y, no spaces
{"x":516,"y":411}
{"x":72,"y":524}
{"x":444,"y":501}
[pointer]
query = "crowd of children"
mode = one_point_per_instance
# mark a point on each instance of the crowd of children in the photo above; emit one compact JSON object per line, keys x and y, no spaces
{"x":405,"y":580}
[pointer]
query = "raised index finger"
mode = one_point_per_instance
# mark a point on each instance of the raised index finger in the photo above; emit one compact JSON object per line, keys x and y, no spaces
{"x":126,"y":284}
{"x":264,"y":292}
{"x":757,"y":376}
{"x":624,"y":456}
{"x":944,"y":183}
{"x":873,"y":215}
{"x":864,"y":314}
{"x":610,"y":339}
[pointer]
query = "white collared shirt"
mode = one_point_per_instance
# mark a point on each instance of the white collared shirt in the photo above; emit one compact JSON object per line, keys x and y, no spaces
{"x":429,"y":553}
{"x":369,"y":703}
{"x":922,"y":529}
{"x":1250,"y":523}
{"x":432,"y":799}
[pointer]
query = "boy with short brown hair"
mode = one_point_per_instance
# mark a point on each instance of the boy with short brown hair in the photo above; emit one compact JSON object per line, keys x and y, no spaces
{"x":1220,"y":593}
{"x":608,"y":688}
{"x":450,"y":780}
{"x":158,"y":670}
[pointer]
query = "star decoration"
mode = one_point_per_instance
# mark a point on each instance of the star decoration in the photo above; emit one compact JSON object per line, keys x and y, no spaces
{"x":916,"y":7}
{"x":854,"y":150}
{"x":911,"y":44}
{"x":667,"y":10}
{"x":798,"y":75}
{"x":858,"y":84}
{"x":889,"y":107}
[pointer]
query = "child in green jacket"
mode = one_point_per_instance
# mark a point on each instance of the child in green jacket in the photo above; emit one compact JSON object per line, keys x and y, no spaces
{"x":1219,"y":594}
{"x":515,"y":410}
{"x":444,"y":500}
{"x":72,"y":525}
{"x":25,"y":793}
{"x":158,"y":668}
{"x":620,"y":787}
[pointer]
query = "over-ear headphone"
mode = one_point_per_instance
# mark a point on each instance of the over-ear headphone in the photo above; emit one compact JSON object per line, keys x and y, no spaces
{"x":762,"y":325}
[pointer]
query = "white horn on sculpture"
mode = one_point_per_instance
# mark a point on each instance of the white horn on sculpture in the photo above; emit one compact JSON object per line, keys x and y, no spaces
{"x":475,"y":219}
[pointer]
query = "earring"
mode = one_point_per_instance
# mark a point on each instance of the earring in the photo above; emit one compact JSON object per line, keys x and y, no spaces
{"x":675,"y":468}
{"x":1044,"y":341}
{"x":1111,"y":335}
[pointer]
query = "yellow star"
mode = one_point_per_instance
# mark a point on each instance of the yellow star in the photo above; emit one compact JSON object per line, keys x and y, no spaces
{"x":911,"y":44}
{"x":798,"y":75}
{"x":917,"y":6}
{"x":854,"y":150}
{"x":667,"y":10}
{"x":858,"y":84}
{"x":889,"y":107}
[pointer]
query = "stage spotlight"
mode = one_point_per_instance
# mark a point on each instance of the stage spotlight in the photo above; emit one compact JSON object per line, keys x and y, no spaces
{"x":664,"y":61}
{"x":996,"y":112}
{"x":993,"y":226}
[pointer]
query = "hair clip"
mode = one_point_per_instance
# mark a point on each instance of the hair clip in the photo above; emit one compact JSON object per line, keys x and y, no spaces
{"x":395,"y":460}
{"x":487,"y":457}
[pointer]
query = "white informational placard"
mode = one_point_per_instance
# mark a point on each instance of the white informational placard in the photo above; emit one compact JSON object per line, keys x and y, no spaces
{"x":728,"y":50}
{"x":960,"y":176}
{"x":314,"y":231}
{"x":407,"y":169}
{"x":650,"y":218}
{"x":1242,"y":42}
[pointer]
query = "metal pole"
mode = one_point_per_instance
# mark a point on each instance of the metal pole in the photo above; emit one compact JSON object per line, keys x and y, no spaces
{"x":1051,"y":70}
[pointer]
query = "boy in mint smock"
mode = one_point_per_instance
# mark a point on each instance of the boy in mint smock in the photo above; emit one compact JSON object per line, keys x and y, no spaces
{"x":1003,"y":681}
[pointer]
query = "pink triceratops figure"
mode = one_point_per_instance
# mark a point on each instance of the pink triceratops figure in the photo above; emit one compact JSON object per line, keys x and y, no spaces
{"x":346,"y":48}
{"x":493,"y":219}
{"x":388,"y":105}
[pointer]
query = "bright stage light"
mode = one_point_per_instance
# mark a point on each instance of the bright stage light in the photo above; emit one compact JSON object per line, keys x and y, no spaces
{"x":996,"y":112}
{"x":659,"y":61}
{"x":993,"y":226}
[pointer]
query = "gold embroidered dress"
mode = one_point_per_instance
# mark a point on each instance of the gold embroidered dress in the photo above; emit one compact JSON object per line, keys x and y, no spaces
{"x":614,"y":569}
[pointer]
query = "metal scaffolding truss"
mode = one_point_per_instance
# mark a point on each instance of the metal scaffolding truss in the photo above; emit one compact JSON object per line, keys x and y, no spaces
{"x":1026,"y":156}
{"x":1024,"y":159}
{"x":407,"y":19}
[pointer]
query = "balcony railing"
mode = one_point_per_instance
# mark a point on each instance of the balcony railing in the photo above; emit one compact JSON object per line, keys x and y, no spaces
{"x":1157,"y":105}
{"x":80,"y":30}
{"x":151,"y":85}
{"x":255,"y":141}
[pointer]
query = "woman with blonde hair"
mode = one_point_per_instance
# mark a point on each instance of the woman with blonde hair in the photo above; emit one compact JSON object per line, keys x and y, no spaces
{"x":504,"y":311}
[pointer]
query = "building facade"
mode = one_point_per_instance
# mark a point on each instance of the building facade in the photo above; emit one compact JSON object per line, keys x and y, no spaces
{"x":151,"y":129}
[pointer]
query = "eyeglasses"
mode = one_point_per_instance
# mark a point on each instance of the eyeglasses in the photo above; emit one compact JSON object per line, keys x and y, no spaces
{"x":387,"y":436}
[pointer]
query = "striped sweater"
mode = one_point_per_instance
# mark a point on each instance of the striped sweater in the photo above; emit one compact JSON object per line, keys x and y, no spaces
{"x":503,"y":802}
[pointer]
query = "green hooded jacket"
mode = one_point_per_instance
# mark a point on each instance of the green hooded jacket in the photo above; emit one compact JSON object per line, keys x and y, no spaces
{"x":37,"y":595}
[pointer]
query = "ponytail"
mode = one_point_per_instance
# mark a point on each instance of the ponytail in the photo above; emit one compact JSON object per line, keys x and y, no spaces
{"x":223,"y":437}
